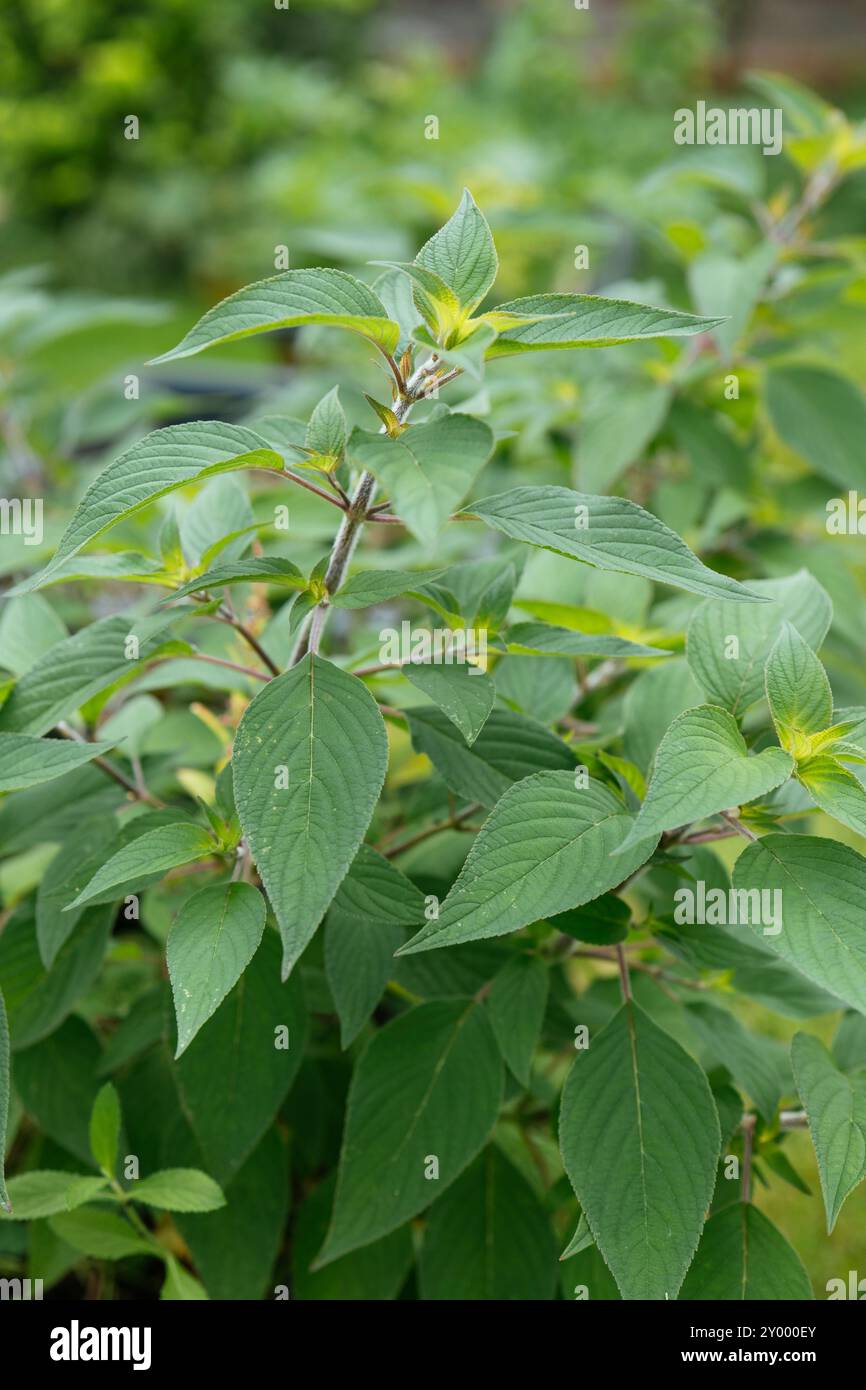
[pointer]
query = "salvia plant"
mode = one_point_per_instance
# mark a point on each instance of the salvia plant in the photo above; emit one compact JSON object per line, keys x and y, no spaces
{"x":436,"y":988}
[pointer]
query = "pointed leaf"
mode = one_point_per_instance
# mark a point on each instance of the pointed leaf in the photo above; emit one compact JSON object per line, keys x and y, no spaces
{"x":166,"y":847}
{"x":516,"y":1002}
{"x":541,"y":321}
{"x":640,"y":1140}
{"x":265,"y":570}
{"x":703,"y":766}
{"x":836,"y":1107}
{"x":462,"y":253}
{"x":26,"y":761}
{"x":562,"y":641}
{"x":105,"y":1129}
{"x":463,"y":693}
{"x":377,"y":586}
{"x":547,"y":846}
{"x":823,"y":888}
{"x":509,"y":747}
{"x":309,"y":762}
{"x":327,"y":431}
{"x":798,"y":691}
{"x":428,"y":1086}
{"x":836,"y":790}
{"x":179,"y":1189}
{"x":743,"y":1256}
{"x":211,"y":942}
{"x":291,"y":299}
{"x":608,"y":532}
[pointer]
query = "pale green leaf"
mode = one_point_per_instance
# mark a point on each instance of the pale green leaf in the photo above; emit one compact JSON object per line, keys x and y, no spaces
{"x":211,"y":942}
{"x":44,"y":1192}
{"x":292,"y":299}
{"x":327,"y":431}
{"x":265,"y":570}
{"x":702,"y":767}
{"x":640,"y":1140}
{"x":179,"y":1286}
{"x":105,"y":1129}
{"x":377,"y":586}
{"x":309,"y":762}
{"x":179,"y":1189}
{"x":610,"y":533}
{"x":462,"y":253}
{"x":99,"y":1233}
{"x":836,"y":790}
{"x":798,"y":691}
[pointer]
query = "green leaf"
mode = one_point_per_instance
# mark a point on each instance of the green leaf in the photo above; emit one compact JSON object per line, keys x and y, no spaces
{"x":435,"y":301}
{"x":836,"y":1107}
{"x":603,"y":922}
{"x":427,"y":471}
{"x":836,"y":790}
{"x":211,"y":942}
{"x":427,"y":1087}
{"x":541,"y":321}
{"x":309,"y":762}
{"x":488,"y":1238}
{"x":327,"y":431}
{"x":728,"y":643}
{"x":80,"y":667}
{"x":562,"y":641}
{"x":509,"y":747}
{"x":377,"y":586}
{"x":798,"y":691}
{"x":234,"y":1247}
{"x":743,"y":1257}
{"x":29,"y":628}
{"x":823,"y":888}
{"x":235,"y":1074}
{"x":516,"y":1002}
{"x":703,"y":766}
{"x":179,"y":1285}
{"x":105,"y":1129}
{"x":468,"y":355}
{"x":179,"y":1189}
{"x":610,"y":533}
{"x":5,"y":1090}
{"x":640,"y":1141}
{"x":581,"y":1240}
{"x":160,"y":463}
{"x":56,"y":1081}
{"x":161,"y":849}
{"x":39,"y":999}
{"x":462,"y":254}
{"x":99,"y":1233}
{"x":292,"y":299}
{"x":265,"y":570}
{"x":821,"y":416}
{"x":376,"y":1272}
{"x":25,"y":760}
{"x":32,"y":1196}
{"x":463,"y":693}
{"x":546,"y":846}
{"x":365,"y":924}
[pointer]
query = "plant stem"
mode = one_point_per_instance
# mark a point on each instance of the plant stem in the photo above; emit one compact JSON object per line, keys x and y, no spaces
{"x":733,"y":820}
{"x":624,"y":977}
{"x":232,"y":666}
{"x":452,"y":823}
{"x":350,"y":528}
{"x":251,"y":641}
{"x":140,"y":793}
{"x":313,"y":487}
{"x":748,"y":1128}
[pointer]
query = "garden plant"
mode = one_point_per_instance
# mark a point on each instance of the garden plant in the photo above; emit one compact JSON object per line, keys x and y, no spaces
{"x":404,"y":826}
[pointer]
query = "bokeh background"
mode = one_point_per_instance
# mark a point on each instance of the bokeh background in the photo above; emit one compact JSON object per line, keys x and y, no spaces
{"x":305,"y":128}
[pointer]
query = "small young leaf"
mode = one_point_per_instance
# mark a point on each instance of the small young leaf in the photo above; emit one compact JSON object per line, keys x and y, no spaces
{"x":105,"y":1129}
{"x":327,"y":431}
{"x":164,"y":848}
{"x":265,"y":570}
{"x":462,"y":254}
{"x":179,"y":1189}
{"x":798,"y":691}
{"x":44,"y":1192}
{"x":836,"y":790}
{"x":703,"y":766}
{"x":99,"y":1233}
